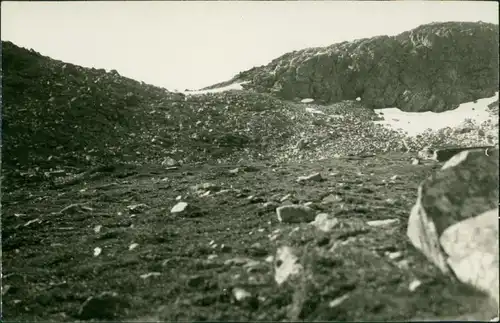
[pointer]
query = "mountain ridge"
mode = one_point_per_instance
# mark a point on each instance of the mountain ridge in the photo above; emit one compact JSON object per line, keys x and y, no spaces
{"x":433,"y":67}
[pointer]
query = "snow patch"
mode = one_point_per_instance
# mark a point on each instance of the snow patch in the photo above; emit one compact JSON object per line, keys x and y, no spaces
{"x":233,"y":86}
{"x":414,"y":123}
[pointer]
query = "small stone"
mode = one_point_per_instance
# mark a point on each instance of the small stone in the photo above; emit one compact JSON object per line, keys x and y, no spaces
{"x":395,"y":255}
{"x":403,"y":264}
{"x":286,"y":197}
{"x":137,"y":208}
{"x":331,"y":199}
{"x":195,"y":281}
{"x":133,"y":246}
{"x":414,"y":285}
{"x":152,"y":274}
{"x":390,"y":201}
{"x":415,"y":161}
{"x":295,"y":214}
{"x":337,"y":301}
{"x":257,"y":250}
{"x":169,"y":161}
{"x":237,"y":261}
{"x":207,"y":193}
{"x":97,"y":228}
{"x":5,"y":289}
{"x":179,"y":208}
{"x":234,"y":171}
{"x":324,"y":222}
{"x":316,"y":177}
{"x":286,"y":265}
{"x":97,"y":251}
{"x":212,"y":257}
{"x":382,"y":223}
{"x":240,"y":294}
{"x":269,"y":206}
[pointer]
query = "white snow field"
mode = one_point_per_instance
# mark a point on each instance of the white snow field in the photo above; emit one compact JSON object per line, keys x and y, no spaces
{"x":414,"y":123}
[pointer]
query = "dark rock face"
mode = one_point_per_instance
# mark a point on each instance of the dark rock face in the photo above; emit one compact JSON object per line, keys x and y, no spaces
{"x":433,"y":67}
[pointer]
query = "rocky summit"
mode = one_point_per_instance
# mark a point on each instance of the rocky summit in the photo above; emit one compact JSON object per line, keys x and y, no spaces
{"x":125,"y":201}
{"x":433,"y":67}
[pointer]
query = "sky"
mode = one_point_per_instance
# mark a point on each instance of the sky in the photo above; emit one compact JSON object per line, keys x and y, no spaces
{"x":192,"y":44}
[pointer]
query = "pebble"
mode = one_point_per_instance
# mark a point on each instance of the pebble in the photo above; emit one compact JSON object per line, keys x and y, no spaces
{"x":395,"y":255}
{"x":414,"y":285}
{"x":337,"y":301}
{"x":316,"y":177}
{"x":240,"y":294}
{"x":382,"y":223}
{"x":152,"y":274}
{"x":286,"y":197}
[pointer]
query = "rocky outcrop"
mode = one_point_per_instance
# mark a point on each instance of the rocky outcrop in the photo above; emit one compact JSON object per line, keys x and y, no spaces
{"x":433,"y":67}
{"x":455,"y":219}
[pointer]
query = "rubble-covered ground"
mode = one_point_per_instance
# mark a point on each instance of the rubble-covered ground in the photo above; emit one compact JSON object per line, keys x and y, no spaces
{"x":216,"y":260}
{"x":93,"y":164}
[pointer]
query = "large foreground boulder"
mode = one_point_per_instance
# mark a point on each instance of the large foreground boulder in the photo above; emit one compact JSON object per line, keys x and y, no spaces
{"x":449,"y":202}
{"x":472,"y":249}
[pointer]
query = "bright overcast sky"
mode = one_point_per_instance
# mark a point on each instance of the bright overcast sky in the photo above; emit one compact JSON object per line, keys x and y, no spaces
{"x":192,"y":44}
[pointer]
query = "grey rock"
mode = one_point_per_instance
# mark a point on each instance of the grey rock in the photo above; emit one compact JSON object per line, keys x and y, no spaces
{"x":295,"y":214}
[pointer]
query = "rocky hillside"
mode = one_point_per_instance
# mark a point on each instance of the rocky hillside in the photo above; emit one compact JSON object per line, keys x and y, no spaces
{"x":433,"y":67}
{"x":59,"y":117}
